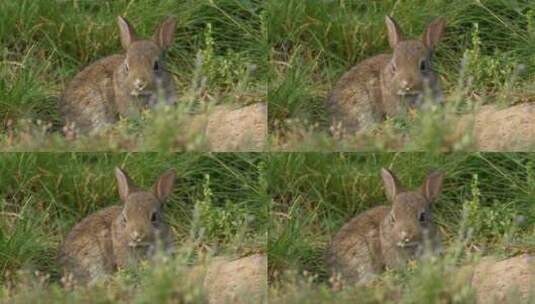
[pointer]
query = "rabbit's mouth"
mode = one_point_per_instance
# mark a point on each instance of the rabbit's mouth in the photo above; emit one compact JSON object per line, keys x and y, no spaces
{"x":135,"y":244}
{"x":412,"y":99}
{"x":145,"y":99}
{"x":408,"y":245}
{"x":141,"y":249}
{"x":141,"y":94}
{"x":409,"y":94}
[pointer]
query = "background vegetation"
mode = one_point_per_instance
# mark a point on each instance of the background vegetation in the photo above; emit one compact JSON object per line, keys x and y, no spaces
{"x":218,"y":57}
{"x":486,"y":208}
{"x":485,"y":57}
{"x":218,"y":208}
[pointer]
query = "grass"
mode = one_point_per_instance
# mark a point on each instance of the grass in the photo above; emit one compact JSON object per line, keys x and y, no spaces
{"x":486,"y":208}
{"x":484,"y":57}
{"x":218,"y":208}
{"x":218,"y":57}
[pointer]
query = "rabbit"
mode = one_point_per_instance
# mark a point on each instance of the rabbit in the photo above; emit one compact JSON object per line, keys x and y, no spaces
{"x":118,"y":236}
{"x":386,"y":237}
{"x":387,"y":84}
{"x":121,"y":85}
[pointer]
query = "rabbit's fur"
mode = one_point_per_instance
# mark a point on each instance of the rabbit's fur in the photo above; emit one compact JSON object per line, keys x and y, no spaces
{"x":387,"y":84}
{"x":118,"y":236}
{"x":386,"y":237}
{"x":121,"y":85}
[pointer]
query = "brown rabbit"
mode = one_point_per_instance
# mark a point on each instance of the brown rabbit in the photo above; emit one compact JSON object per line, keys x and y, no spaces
{"x":386,"y":237}
{"x":385,"y":85}
{"x":121,"y":85}
{"x":118,"y":236}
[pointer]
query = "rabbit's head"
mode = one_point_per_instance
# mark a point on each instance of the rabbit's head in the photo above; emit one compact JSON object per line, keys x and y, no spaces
{"x":410,"y":219}
{"x":143,"y":69}
{"x":410,"y":70}
{"x":141,"y":220}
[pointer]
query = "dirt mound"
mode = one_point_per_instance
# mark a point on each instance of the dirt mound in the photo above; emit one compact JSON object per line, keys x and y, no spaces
{"x":237,"y":281}
{"x":507,"y":281}
{"x":243,"y":129}
{"x":509,"y":129}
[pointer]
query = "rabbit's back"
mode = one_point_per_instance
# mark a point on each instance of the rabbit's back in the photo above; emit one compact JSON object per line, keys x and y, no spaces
{"x":88,"y":100}
{"x":355,"y":251}
{"x":356,"y":100}
{"x":87,"y":252}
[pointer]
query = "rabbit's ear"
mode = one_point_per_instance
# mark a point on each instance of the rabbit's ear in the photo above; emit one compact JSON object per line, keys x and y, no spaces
{"x":434,"y":32}
{"x":125,"y":185}
{"x":432,"y":185}
{"x":128,"y":35}
{"x":392,"y":185}
{"x":395,"y":35}
{"x":164,"y":34}
{"x":164,"y":186}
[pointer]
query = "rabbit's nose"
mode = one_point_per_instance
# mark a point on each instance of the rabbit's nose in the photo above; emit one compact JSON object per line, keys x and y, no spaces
{"x":405,"y":85}
{"x":136,"y":236}
{"x":140,"y":84}
{"x":405,"y":236}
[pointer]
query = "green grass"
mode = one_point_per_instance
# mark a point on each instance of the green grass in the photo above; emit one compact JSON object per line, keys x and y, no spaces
{"x":486,"y":208}
{"x":218,"y":208}
{"x":218,"y":57}
{"x":485,"y":57}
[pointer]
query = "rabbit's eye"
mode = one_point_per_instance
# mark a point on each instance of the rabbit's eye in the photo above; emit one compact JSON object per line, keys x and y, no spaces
{"x":422,"y":217}
{"x":423,"y":66}
{"x":156,"y":66}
